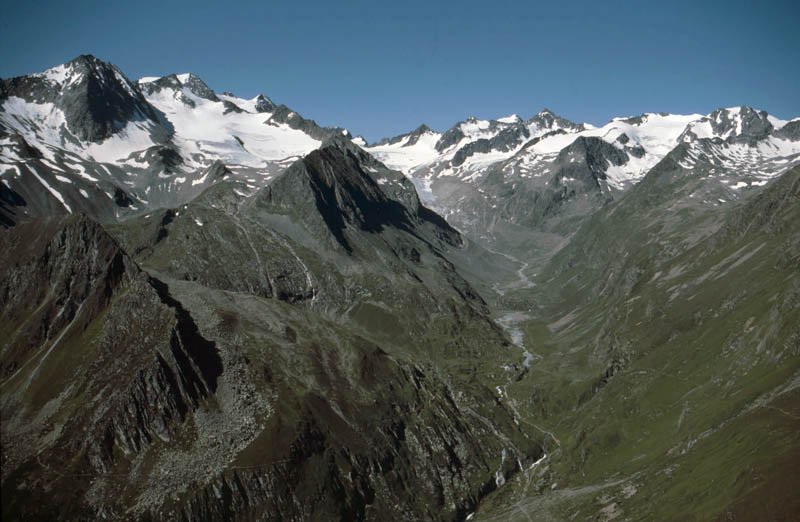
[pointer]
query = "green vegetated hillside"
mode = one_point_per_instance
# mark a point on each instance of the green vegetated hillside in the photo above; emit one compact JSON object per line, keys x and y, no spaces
{"x":667,"y":342}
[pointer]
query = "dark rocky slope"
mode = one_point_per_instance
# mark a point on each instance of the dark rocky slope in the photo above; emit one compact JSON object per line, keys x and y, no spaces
{"x":130,"y":396}
{"x":98,"y":364}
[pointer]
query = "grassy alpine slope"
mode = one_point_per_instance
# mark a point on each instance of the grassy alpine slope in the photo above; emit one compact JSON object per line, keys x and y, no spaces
{"x":669,"y":363}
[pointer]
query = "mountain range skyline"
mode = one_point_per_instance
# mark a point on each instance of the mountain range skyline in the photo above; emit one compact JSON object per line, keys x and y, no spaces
{"x":382,"y":70}
{"x":446,"y":126}
{"x":264,"y":94}
{"x":175,"y":129}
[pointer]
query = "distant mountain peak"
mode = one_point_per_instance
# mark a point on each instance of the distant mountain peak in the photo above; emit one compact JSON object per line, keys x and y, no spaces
{"x":284,"y":115}
{"x":197,"y":86}
{"x":547,"y":119}
{"x":746,"y":120}
{"x":97,"y":99}
{"x":264,"y":104}
{"x":86,"y":62}
{"x":422,"y":129}
{"x":189,"y":81}
{"x":730,"y":123}
{"x":73,"y":72}
{"x":411,"y":137}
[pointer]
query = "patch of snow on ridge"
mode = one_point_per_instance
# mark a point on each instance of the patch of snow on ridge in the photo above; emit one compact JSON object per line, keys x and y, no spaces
{"x":56,"y":194}
{"x":247,"y":105}
{"x":511,"y":118}
{"x":554,"y":144}
{"x":34,"y":121}
{"x":207,"y":130}
{"x":79,"y":169}
{"x":61,"y":75}
{"x":777,"y":123}
{"x":406,"y":158}
{"x":134,"y":137}
{"x":46,"y":124}
{"x":424,"y":190}
{"x":475,"y":129}
{"x":57,"y":74}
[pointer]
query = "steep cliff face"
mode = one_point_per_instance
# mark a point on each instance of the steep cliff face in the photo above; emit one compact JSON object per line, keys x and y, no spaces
{"x":332,"y":445}
{"x":130,"y":396}
{"x":99,"y":362}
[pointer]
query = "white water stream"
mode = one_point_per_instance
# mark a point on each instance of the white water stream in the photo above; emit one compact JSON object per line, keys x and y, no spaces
{"x":510,"y":320}
{"x":510,"y":323}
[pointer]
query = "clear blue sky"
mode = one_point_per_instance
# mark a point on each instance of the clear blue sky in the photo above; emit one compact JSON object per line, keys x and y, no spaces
{"x":382,"y":68}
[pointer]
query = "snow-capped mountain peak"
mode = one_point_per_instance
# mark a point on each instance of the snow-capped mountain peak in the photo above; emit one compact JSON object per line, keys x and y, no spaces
{"x":472,"y":148}
{"x":546,"y":121}
{"x":262,"y":103}
{"x":85,"y":100}
{"x":84,"y":127}
{"x":731,"y":123}
{"x":61,"y":76}
{"x":153,"y":142}
{"x":187,"y":87}
{"x":741,"y":146}
{"x":81,"y":69}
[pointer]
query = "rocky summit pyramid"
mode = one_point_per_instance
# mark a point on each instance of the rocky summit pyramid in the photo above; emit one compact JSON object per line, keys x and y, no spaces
{"x":212,"y":308}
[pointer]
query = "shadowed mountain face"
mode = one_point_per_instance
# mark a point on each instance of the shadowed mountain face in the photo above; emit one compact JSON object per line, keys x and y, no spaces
{"x":211,"y":308}
{"x":344,"y":185}
{"x":96,"y":98}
